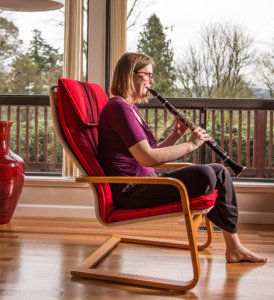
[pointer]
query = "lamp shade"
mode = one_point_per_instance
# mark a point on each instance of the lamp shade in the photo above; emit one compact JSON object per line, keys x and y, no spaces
{"x":31,"y":5}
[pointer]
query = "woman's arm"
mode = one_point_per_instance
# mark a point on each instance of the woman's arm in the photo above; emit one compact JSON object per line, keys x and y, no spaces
{"x":150,"y":157}
{"x":179,"y":130}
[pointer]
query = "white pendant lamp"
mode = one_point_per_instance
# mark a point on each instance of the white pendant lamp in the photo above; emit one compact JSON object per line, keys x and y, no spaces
{"x":31,"y":5}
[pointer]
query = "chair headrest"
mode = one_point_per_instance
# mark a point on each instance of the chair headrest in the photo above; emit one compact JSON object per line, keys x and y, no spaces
{"x":87,"y":99}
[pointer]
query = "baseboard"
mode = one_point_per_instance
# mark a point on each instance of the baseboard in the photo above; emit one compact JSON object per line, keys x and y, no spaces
{"x":249,"y":217}
{"x":42,"y":210}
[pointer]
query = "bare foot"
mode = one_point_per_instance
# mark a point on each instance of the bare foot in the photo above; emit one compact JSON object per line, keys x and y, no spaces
{"x":236,"y":252}
{"x":243,"y":254}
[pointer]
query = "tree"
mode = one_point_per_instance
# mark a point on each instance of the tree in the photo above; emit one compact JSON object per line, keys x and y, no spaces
{"x":33,"y":72}
{"x":48,"y":62}
{"x":217,"y":69}
{"x":37,"y":70}
{"x":9,"y":42}
{"x":153,"y":42}
{"x":130,"y":14}
{"x":22,"y":76}
{"x":265,"y":65}
{"x":135,"y":10}
{"x":9,"y":45}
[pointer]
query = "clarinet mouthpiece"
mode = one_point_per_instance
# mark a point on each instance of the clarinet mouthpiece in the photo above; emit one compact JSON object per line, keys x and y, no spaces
{"x":154,"y":93}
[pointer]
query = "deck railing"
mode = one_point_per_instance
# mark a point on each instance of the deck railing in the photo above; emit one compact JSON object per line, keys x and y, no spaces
{"x":242,"y":127}
{"x":32,"y":135}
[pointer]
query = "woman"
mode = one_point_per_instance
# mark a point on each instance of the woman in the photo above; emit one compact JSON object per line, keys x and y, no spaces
{"x":127,"y":147}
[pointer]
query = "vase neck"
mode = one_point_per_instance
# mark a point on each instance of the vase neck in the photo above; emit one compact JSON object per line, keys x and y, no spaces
{"x":4,"y":136}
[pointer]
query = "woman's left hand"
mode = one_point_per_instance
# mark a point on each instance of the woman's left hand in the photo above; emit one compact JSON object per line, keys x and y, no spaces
{"x":180,"y":129}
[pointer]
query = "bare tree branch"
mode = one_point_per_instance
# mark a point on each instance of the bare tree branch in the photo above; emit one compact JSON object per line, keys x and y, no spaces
{"x":217,"y":69}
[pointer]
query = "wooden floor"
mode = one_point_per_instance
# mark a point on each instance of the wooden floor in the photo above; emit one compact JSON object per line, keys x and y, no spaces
{"x":37,"y":254}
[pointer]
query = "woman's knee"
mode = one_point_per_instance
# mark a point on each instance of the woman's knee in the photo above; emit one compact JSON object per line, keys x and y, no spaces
{"x":208,"y":176}
{"x":217,"y":166}
{"x":222,"y":175}
{"x":204,"y":178}
{"x":199,"y":179}
{"x":219,"y":169}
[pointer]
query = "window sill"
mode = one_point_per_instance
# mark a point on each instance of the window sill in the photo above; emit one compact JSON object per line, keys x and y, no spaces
{"x":52,"y":181}
{"x":70,"y":183}
{"x":262,"y":187}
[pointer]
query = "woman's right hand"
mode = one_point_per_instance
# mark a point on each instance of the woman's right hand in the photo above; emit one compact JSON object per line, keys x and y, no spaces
{"x":198,"y":137}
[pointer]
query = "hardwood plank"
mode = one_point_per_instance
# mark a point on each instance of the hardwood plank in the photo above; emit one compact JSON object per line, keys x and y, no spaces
{"x":37,"y":254}
{"x":133,"y":279}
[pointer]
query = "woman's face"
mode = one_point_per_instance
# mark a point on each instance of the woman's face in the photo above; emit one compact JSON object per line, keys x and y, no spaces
{"x":142,"y":80}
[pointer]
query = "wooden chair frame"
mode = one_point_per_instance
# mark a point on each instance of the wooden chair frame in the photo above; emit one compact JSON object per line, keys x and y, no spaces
{"x":193,"y":220}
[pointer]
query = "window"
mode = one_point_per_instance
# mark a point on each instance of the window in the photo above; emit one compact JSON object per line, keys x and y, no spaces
{"x":32,"y":53}
{"x":31,"y":57}
{"x":208,"y":48}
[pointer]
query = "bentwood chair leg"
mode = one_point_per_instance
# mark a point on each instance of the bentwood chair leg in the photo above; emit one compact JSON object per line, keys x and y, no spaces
{"x":88,"y":267}
{"x":209,"y":235}
{"x":197,"y":219}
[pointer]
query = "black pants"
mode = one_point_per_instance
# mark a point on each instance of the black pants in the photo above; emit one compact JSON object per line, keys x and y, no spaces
{"x":199,"y":180}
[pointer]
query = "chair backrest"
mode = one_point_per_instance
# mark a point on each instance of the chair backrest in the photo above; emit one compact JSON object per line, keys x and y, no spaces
{"x":78,"y":106}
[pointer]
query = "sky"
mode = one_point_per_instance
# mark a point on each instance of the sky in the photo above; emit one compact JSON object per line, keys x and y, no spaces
{"x":187,"y":17}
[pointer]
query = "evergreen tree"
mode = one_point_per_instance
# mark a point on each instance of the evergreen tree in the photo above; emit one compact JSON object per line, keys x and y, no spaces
{"x":22,"y":75}
{"x":153,"y":42}
{"x":48,"y":63}
{"x":41,"y":53}
{"x":33,"y":72}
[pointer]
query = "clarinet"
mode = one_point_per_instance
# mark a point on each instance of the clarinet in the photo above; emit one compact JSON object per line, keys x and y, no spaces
{"x":236,"y":168}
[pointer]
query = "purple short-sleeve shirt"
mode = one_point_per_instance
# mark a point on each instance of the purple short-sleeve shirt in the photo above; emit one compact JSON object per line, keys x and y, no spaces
{"x":118,"y":130}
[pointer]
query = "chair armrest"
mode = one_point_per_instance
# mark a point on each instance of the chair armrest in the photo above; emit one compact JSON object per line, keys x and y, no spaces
{"x":129,"y":179}
{"x":174,"y":165}
{"x":144,"y":180}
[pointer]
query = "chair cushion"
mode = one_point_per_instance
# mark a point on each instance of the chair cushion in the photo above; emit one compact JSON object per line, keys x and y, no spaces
{"x":197,"y":203}
{"x":79,"y":108}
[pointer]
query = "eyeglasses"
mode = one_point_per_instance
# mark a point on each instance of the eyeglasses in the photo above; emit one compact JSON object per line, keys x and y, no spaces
{"x":150,"y":75}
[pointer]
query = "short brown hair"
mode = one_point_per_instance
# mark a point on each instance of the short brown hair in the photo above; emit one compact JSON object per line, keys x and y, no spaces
{"x":127,"y":65}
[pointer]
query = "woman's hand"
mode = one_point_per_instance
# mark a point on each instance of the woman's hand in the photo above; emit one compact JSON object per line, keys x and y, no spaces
{"x":198,"y":137}
{"x":179,"y":129}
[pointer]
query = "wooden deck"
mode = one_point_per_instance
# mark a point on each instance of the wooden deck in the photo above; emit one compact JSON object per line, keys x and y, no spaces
{"x":37,"y":254}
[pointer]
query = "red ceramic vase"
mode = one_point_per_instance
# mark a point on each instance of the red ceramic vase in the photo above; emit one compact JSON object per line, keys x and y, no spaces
{"x":12,"y":173}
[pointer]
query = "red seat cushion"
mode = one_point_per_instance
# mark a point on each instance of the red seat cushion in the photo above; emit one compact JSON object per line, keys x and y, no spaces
{"x":79,"y":108}
{"x":201,"y":202}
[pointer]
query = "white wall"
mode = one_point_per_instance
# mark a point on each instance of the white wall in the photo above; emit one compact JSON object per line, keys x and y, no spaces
{"x":55,"y":196}
{"x":96,"y":42}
